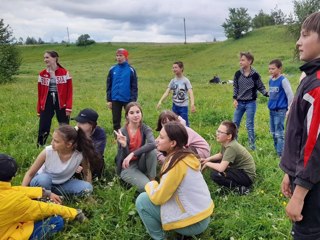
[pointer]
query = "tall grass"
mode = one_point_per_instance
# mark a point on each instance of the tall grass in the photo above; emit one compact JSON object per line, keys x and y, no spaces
{"x":111,"y":210}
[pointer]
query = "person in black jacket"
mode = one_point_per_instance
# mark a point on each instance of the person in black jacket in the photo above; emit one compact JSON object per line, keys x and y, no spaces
{"x":301,"y":155}
{"x":246,"y":83}
{"x":87,"y":121}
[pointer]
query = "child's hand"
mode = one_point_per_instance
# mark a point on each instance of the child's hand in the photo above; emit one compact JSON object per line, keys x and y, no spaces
{"x":158,"y":105}
{"x":193,"y":108}
{"x":294,"y":209}
{"x":79,"y":169}
{"x":126,"y":161}
{"x":235,"y":103}
{"x":203,"y":166}
{"x":55,"y":198}
{"x":121,"y":138}
{"x":285,"y":186}
{"x":204,"y":161}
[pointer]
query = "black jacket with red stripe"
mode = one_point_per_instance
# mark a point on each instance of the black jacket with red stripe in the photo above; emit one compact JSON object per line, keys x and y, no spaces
{"x":301,"y":154}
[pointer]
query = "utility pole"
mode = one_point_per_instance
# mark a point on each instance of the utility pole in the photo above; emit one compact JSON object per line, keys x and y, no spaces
{"x":68,"y":35}
{"x":185,"y":34}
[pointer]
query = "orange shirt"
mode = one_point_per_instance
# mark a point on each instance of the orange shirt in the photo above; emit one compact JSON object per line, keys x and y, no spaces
{"x":134,"y":141}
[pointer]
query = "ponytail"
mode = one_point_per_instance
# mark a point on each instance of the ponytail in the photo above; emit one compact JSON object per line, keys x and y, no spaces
{"x":82,"y":144}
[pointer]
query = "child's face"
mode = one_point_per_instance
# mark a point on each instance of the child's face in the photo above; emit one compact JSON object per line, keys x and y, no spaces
{"x":134,"y":115}
{"x":163,"y":142}
{"x":244,"y":62}
{"x":57,"y":142}
{"x":48,"y":60}
{"x":86,"y":127}
{"x":222,"y":135}
{"x":120,"y":58}
{"x":274,"y":71}
{"x":308,"y":45}
{"x":176,"y":69}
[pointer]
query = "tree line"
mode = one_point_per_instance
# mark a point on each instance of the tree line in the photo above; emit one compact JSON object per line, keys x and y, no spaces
{"x":239,"y":21}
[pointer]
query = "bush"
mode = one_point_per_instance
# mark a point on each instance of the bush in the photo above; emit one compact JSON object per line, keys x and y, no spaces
{"x":10,"y":59}
{"x":84,"y":40}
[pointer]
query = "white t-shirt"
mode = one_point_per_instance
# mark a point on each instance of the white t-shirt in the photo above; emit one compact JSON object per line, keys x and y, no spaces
{"x":60,"y":171}
{"x":180,"y":89}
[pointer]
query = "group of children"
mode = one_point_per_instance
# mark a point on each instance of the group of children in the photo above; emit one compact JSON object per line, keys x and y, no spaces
{"x":180,"y":200}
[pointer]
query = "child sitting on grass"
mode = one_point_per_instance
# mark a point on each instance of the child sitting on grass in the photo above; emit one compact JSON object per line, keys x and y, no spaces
{"x":23,"y":218}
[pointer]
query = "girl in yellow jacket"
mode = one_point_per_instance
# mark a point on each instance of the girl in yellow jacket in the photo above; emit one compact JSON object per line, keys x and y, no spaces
{"x":181,"y":201}
{"x":22,"y":218}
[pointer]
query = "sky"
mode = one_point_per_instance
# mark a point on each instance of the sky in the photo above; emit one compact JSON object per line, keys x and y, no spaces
{"x":127,"y":20}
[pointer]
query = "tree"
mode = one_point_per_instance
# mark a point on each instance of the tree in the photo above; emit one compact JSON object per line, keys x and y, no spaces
{"x":302,"y":9}
{"x":10,"y":59}
{"x":84,"y":40}
{"x":31,"y":41}
{"x":262,"y":20}
{"x":278,"y":16}
{"x":238,"y":23}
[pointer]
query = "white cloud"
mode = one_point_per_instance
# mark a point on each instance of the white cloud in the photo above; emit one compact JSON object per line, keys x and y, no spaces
{"x":127,"y":20}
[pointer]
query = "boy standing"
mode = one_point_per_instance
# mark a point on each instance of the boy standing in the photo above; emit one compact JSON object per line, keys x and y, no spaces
{"x":246,"y":83}
{"x":280,"y":98}
{"x":300,"y":158}
{"x":24,"y":218}
{"x":122,"y":86}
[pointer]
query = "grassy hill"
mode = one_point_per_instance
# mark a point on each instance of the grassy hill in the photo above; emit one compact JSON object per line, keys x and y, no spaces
{"x":260,"y":215}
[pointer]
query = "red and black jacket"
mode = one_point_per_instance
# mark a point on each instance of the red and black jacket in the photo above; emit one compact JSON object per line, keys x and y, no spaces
{"x":301,"y":155}
{"x":64,"y":88}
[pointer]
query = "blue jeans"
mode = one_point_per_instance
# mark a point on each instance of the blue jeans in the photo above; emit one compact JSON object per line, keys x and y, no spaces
{"x":182,"y":112}
{"x":71,"y":187}
{"x":46,"y":228}
{"x":277,"y":118}
{"x":150,"y":216}
{"x":250,"y":108}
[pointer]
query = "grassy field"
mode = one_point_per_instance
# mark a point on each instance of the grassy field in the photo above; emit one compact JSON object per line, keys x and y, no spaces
{"x":111,"y":210}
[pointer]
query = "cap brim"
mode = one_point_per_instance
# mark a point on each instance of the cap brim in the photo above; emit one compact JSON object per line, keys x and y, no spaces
{"x":80,"y":119}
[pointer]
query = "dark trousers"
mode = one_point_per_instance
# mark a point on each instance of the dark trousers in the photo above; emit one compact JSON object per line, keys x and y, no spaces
{"x":309,"y":227}
{"x":116,"y":113}
{"x":231,"y":178}
{"x":52,"y":106}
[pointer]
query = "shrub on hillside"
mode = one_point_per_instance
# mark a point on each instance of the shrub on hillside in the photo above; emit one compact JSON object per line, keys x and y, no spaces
{"x":84,"y":40}
{"x":10,"y":59}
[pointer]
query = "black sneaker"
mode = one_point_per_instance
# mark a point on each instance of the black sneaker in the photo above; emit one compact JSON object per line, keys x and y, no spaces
{"x":243,"y":190}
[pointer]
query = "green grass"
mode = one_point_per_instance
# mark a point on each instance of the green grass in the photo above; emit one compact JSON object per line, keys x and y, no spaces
{"x":111,"y":210}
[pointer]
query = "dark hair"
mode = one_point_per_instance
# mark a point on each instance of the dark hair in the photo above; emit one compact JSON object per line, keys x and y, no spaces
{"x":248,"y":55}
{"x":164,"y":117}
{"x":55,"y":55}
{"x":178,"y":133}
{"x":80,"y":142}
{"x":180,"y":64}
{"x":130,"y":105}
{"x":231,"y":128}
{"x":312,"y":23}
{"x":8,"y":167}
{"x":276,"y":62}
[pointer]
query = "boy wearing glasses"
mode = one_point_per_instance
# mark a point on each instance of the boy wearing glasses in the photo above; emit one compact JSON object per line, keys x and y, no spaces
{"x":233,"y":167}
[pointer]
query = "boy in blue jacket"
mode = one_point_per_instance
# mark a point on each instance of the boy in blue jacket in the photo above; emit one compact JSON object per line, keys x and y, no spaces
{"x":122,"y":86}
